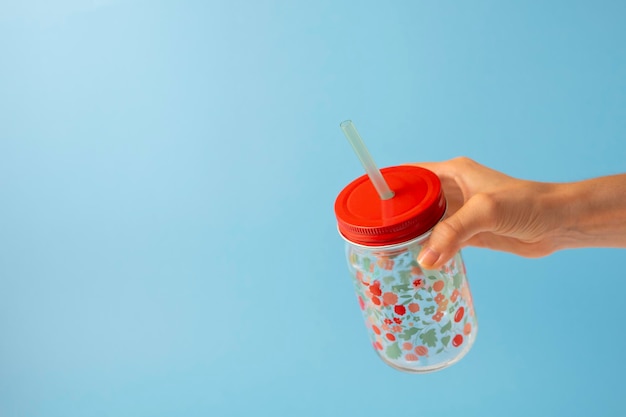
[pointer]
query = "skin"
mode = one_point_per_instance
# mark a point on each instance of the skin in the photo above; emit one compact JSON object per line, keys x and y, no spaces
{"x":489,"y":209}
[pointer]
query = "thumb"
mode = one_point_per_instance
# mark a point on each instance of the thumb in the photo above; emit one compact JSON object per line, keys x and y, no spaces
{"x":449,"y":235}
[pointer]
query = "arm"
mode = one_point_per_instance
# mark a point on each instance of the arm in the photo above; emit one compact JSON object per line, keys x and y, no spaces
{"x":597,"y":212}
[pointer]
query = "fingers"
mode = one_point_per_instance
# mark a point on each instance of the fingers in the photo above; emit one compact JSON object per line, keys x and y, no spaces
{"x":447,"y":238}
{"x":441,"y":169}
{"x":466,"y":170}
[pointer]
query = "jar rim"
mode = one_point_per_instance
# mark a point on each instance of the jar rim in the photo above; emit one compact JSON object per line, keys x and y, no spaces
{"x":418,"y":239}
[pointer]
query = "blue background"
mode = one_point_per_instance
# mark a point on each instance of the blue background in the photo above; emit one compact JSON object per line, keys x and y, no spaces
{"x":167,"y":177}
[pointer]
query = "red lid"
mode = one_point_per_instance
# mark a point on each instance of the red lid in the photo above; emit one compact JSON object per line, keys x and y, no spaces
{"x":418,"y":204}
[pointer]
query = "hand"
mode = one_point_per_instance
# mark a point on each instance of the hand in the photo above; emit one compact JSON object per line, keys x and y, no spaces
{"x":492,"y":210}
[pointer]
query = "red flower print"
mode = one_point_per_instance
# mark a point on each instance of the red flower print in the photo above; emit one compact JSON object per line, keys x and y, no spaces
{"x":416,"y":270}
{"x":378,"y":346}
{"x":388,"y":321}
{"x":376,"y":300}
{"x":375,"y":329}
{"x":443,"y":305}
{"x":414,"y":307}
{"x":455,"y":295}
{"x":407,"y":346}
{"x":439,"y":298}
{"x":467,"y":329}
{"x":375,"y":288}
{"x":459,"y":314}
{"x":361,"y":303}
{"x":397,"y":320}
{"x":438,"y":285}
{"x":399,"y":309}
{"x":410,"y":357}
{"x":418,"y":283}
{"x":421,"y":350}
{"x":438,"y":316}
{"x":385,"y":327}
{"x":396,"y":329}
{"x":390,"y":337}
{"x":390,"y":298}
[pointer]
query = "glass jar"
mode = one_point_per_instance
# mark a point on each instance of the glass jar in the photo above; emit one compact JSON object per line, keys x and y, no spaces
{"x":418,"y":320}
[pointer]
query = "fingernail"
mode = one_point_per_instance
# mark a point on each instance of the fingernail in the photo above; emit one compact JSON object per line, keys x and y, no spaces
{"x":428,"y":257}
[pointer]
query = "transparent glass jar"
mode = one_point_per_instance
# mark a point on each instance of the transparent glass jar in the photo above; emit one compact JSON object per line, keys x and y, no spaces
{"x":418,"y":320}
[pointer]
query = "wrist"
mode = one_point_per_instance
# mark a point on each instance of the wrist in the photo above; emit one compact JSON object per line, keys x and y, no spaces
{"x":566,"y":206}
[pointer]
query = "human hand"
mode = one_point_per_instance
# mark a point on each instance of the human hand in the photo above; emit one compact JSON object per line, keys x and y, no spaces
{"x":489,"y":209}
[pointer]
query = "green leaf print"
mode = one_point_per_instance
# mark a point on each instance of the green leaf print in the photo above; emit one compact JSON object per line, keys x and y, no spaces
{"x":445,"y":340}
{"x":405,"y":277}
{"x":429,"y":310}
{"x":400,"y":288}
{"x":366,"y":263}
{"x":457,"y":280}
{"x":429,"y":338}
{"x":447,"y":327}
{"x":393,"y":351}
{"x":432,"y":278}
{"x":409,"y":333}
{"x":418,"y":296}
{"x":388,"y":279}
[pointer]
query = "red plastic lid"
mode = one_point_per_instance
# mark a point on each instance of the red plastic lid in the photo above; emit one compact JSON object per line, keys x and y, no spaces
{"x":418,"y":204}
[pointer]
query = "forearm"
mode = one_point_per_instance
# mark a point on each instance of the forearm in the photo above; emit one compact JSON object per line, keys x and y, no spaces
{"x":593,"y":212}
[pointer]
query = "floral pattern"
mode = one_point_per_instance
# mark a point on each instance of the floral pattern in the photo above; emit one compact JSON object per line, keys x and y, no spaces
{"x":418,"y":320}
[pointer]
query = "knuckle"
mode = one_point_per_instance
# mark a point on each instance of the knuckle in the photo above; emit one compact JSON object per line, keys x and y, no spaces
{"x":488,"y":205}
{"x":486,"y":202}
{"x":463,"y":160}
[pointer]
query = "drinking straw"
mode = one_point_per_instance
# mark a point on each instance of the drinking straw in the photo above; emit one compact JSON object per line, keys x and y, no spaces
{"x":368,"y":163}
